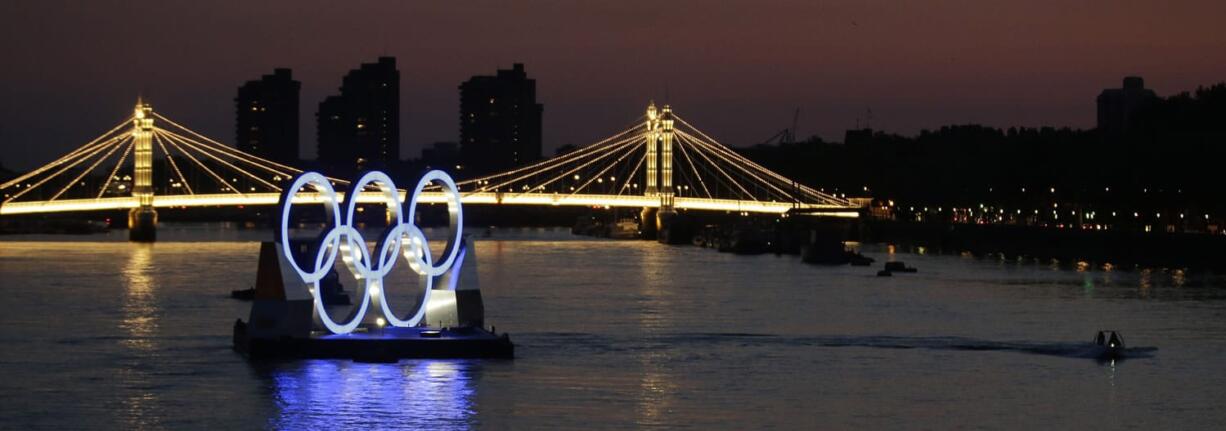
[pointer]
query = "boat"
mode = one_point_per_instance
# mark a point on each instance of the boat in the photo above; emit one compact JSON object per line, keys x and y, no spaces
{"x":331,"y":291}
{"x":589,"y":226}
{"x":1108,"y":344}
{"x":282,"y":326}
{"x":243,"y":294}
{"x":899,"y":266}
{"x":830,"y":252}
{"x":857,"y":259}
{"x":745,"y":240}
{"x":707,"y":236}
{"x":825,"y":253}
{"x":625,"y":228}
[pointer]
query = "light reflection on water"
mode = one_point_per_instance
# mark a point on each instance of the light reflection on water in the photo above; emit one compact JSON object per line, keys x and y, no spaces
{"x":656,"y":388}
{"x":419,"y":394}
{"x":622,"y":335}
{"x":140,"y":324}
{"x":140,"y":307}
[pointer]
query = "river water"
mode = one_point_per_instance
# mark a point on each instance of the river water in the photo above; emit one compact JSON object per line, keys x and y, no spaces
{"x":100,"y":333}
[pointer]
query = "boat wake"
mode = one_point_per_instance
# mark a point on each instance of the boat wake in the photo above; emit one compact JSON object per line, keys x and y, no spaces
{"x":1066,"y":349}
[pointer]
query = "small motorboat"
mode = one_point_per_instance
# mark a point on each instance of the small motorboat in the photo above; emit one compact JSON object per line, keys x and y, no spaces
{"x":857,"y":259}
{"x":331,"y":290}
{"x":898,"y":266}
{"x":625,"y":228}
{"x":1109,"y":345}
{"x":243,"y":294}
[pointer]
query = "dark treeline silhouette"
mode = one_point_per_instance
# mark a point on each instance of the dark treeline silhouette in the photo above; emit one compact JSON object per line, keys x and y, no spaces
{"x":1168,"y":161}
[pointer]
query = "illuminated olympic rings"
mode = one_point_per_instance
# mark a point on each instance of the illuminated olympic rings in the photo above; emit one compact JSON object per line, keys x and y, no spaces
{"x":402,"y":237}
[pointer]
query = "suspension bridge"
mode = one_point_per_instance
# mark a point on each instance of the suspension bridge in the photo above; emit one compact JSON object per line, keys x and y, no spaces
{"x":660,"y":162}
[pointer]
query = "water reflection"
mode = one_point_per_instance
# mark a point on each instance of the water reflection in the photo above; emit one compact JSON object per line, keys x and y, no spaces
{"x":1145,"y":282}
{"x":327,"y":394}
{"x":1178,"y":277}
{"x":656,"y":386}
{"x":139,"y":323}
{"x":140,"y":305}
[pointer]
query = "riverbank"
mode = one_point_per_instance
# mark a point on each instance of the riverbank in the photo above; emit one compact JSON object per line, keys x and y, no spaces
{"x":1120,"y":248}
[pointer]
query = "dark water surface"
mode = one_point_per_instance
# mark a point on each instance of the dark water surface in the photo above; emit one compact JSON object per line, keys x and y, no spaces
{"x":103,"y":334}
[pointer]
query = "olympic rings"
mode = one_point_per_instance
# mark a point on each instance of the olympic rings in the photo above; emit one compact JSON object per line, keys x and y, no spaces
{"x":402,"y":237}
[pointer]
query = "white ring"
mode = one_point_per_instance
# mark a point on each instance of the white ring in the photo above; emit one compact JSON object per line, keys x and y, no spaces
{"x":415,"y":237}
{"x":402,"y":237}
{"x":316,"y":291}
{"x":324,"y":188}
{"x":455,"y":212}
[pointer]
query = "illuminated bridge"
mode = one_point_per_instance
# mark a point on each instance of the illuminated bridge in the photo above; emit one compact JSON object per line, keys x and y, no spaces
{"x":661,"y":162}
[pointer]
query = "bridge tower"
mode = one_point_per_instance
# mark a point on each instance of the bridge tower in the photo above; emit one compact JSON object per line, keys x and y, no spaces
{"x":142,"y":220}
{"x":647,"y":219}
{"x":652,"y":135}
{"x":659,"y":173}
{"x":666,"y":159}
{"x":667,"y":224}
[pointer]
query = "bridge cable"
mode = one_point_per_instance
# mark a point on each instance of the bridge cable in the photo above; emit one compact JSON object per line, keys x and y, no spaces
{"x":732,"y":163}
{"x":555,"y":162}
{"x":90,"y":169}
{"x":687,"y":173}
{"x":97,"y":149}
{"x":174,"y":165}
{"x":561,"y":163}
{"x":602,"y":171}
{"x":223,"y":162}
{"x":205,"y":148}
{"x":633,"y":172}
{"x":228,"y":149}
{"x":65,"y":157}
{"x":217,"y":178}
{"x":114,"y":171}
{"x":575,"y":169}
{"x":698,"y":174}
{"x":711,"y":166}
{"x":822,"y":196}
{"x":716,"y":166}
{"x":556,"y":159}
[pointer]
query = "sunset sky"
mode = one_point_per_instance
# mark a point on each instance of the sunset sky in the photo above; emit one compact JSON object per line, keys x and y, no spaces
{"x":734,"y":69}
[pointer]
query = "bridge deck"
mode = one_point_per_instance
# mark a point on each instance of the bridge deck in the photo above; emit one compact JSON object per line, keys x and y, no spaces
{"x":479,"y":198}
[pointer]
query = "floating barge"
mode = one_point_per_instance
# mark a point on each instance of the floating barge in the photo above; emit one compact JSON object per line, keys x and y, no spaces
{"x":386,"y":344}
{"x":290,"y":310}
{"x":284,"y":323}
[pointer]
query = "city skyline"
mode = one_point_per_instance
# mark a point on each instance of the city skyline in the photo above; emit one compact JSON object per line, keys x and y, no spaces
{"x":833,"y":61}
{"x":500,"y":120}
{"x":744,"y":214}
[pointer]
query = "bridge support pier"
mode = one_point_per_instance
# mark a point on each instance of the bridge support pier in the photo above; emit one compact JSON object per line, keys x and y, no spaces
{"x":648,"y":223}
{"x":674,"y":228}
{"x":142,"y":224}
{"x":666,"y":222}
